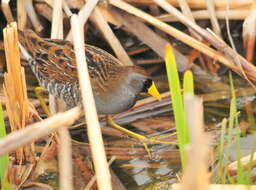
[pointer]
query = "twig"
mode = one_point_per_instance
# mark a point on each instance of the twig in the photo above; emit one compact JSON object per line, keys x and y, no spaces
{"x":94,"y":131}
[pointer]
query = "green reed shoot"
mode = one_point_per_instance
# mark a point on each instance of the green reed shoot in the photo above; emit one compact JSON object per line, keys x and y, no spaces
{"x":177,"y":100}
{"x":4,"y":159}
{"x":188,"y":83}
{"x":243,"y":175}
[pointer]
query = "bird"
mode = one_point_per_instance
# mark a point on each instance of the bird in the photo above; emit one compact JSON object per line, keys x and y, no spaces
{"x":115,"y":87}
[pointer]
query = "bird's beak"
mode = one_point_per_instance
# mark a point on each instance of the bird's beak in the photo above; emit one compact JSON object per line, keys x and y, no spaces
{"x":152,"y":90}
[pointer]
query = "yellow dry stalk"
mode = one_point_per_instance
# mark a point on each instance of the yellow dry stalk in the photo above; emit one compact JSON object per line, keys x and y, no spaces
{"x":14,"y":80}
{"x":15,"y":91}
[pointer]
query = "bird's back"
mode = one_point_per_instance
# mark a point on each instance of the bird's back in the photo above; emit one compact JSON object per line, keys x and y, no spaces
{"x":53,"y":63}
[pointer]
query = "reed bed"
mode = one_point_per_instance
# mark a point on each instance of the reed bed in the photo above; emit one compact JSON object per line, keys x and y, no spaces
{"x":198,"y":34}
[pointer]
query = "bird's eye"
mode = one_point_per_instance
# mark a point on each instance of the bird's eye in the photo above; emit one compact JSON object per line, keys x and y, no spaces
{"x":146,"y":85}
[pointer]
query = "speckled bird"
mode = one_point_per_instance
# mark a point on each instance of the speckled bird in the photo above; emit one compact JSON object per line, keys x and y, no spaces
{"x":115,"y":87}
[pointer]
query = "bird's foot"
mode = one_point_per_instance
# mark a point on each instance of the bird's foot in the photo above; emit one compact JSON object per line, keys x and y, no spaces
{"x":38,"y":93}
{"x":143,"y":139}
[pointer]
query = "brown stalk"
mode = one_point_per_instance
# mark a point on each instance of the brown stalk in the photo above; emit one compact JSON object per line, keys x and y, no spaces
{"x":233,"y":14}
{"x":197,"y":4}
{"x":249,"y":33}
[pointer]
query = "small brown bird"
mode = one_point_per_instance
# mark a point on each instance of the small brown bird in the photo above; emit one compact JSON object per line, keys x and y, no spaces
{"x":115,"y":87}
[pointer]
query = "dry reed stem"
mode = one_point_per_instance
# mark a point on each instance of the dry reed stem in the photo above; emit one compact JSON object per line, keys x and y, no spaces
{"x":57,"y":20}
{"x":187,"y":12}
{"x":56,"y":105}
{"x":213,"y":18}
{"x":174,"y":32}
{"x":7,"y":11}
{"x":64,"y":146}
{"x":199,"y":4}
{"x":195,"y":174}
{"x":93,"y":127}
{"x":21,"y":15}
{"x":139,"y":29}
{"x":249,"y":33}
{"x":242,"y":65}
{"x":221,"y":187}
{"x":233,"y":14}
{"x":109,"y":16}
{"x":84,"y":14}
{"x":32,"y":15}
{"x":17,"y":105}
{"x":34,"y":131}
{"x":93,"y":179}
{"x":146,"y":35}
{"x":65,"y":160}
{"x":231,"y":54}
{"x":102,"y":24}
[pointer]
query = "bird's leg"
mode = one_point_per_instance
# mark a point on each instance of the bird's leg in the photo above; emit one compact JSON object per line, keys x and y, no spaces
{"x":38,"y":93}
{"x":142,"y":138}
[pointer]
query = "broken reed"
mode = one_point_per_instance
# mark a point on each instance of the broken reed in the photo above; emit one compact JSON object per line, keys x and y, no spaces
{"x":17,"y":104}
